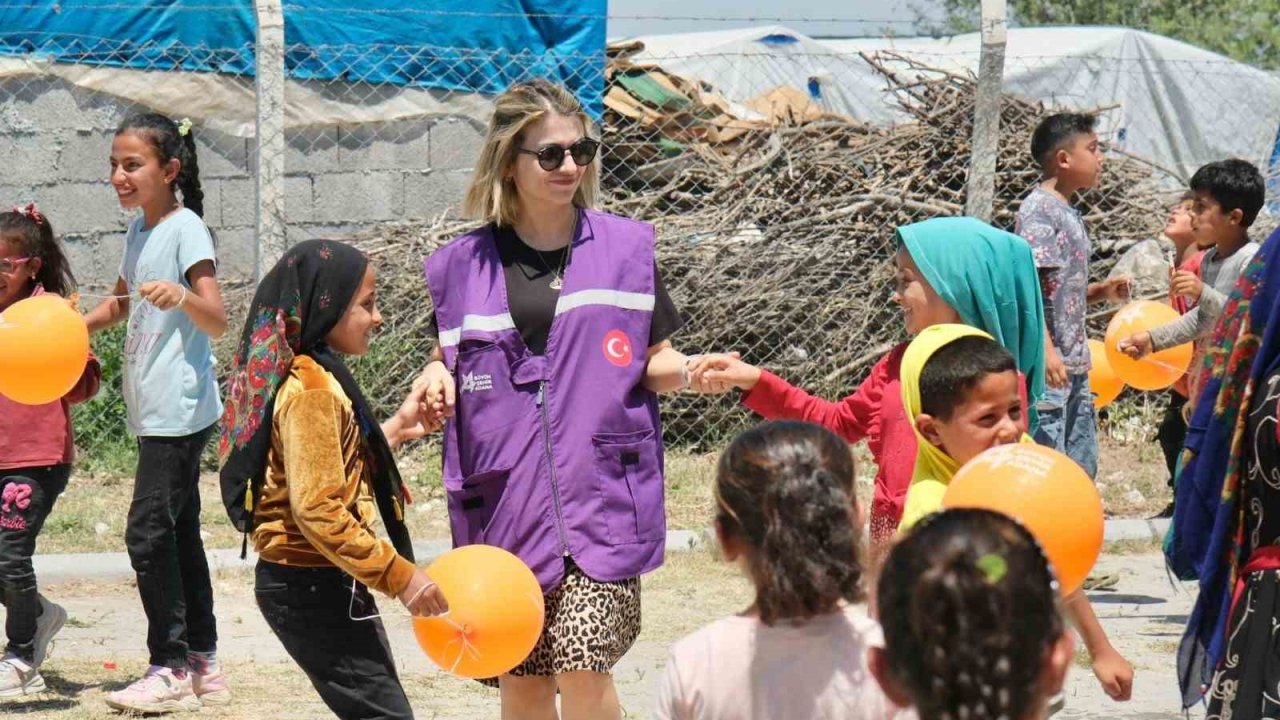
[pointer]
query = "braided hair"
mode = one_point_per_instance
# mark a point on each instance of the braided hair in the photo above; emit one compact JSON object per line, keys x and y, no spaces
{"x":970,"y":613}
{"x":785,"y":490}
{"x":170,"y":142}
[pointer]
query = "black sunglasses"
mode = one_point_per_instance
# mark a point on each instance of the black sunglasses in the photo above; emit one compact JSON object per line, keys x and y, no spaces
{"x":551,"y":157}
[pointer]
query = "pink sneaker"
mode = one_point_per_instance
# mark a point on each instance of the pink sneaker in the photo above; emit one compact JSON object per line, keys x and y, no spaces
{"x":210,"y":686}
{"x":159,"y":691}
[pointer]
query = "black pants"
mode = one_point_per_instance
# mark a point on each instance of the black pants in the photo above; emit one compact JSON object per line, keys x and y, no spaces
{"x":348,"y":661}
{"x":1172,"y":433}
{"x":26,"y":499}
{"x":163,"y":538}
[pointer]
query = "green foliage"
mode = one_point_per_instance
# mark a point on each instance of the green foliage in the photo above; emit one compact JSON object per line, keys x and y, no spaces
{"x":1245,"y":30}
{"x":103,"y":442}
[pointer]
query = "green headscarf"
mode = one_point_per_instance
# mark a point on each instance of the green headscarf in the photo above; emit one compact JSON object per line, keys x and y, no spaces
{"x":989,"y":277}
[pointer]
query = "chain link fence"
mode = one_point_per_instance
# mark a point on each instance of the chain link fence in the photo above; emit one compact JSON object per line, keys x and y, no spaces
{"x":775,"y":172}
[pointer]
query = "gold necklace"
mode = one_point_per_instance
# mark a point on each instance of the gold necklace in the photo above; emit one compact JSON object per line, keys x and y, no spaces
{"x":557,"y":278}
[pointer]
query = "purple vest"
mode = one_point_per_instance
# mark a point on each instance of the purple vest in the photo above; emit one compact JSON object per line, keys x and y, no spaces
{"x":558,"y":455}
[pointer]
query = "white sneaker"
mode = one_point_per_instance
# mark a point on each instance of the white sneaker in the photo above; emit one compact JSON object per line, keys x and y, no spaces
{"x":159,"y":691}
{"x":18,"y":678}
{"x":52,"y":617}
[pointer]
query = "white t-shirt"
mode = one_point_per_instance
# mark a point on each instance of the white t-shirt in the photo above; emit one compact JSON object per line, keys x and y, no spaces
{"x":170,"y":387}
{"x":738,"y":668}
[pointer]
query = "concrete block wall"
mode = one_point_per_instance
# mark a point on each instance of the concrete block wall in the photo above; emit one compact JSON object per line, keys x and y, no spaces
{"x":55,"y":144}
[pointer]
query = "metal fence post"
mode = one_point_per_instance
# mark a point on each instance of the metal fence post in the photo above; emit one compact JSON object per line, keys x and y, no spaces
{"x":269,"y":87}
{"x":984,"y":147}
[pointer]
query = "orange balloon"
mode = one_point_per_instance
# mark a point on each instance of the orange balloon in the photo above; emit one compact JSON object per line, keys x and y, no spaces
{"x":1153,"y":372}
{"x":44,"y":345}
{"x":1103,"y":381}
{"x":495,"y":612}
{"x":1048,"y":493}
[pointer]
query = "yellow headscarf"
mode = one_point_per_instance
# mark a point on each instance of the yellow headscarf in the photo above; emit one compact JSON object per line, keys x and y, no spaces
{"x":934,"y":468}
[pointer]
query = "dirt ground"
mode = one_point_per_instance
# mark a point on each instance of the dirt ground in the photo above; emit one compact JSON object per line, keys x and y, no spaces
{"x":103,"y":647}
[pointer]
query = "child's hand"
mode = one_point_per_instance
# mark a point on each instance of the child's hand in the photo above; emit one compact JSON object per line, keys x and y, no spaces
{"x":1137,"y":346}
{"x":1118,"y":289}
{"x":422,"y":597}
{"x":163,"y":294}
{"x":440,"y":392}
{"x":413,"y":419}
{"x":1114,"y":673}
{"x":724,"y":371}
{"x":1055,"y":371}
{"x":1186,"y":284}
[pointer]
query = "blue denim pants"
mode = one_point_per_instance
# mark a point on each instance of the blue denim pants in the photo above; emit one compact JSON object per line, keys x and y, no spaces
{"x":1068,"y":423}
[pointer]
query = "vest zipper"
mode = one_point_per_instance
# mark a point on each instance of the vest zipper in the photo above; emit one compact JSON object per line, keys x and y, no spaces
{"x":551,"y":464}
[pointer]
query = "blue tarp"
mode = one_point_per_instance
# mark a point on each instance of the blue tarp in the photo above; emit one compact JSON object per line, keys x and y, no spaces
{"x":466,"y":45}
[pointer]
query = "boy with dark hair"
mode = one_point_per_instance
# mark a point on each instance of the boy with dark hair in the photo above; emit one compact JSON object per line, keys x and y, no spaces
{"x":960,"y":388}
{"x":1228,"y":197}
{"x":1066,"y":148}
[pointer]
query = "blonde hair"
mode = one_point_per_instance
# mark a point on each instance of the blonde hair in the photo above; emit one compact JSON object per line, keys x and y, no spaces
{"x":491,"y":196}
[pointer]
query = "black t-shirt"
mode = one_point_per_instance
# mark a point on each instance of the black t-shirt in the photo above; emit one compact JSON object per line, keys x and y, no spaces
{"x":532,"y":301}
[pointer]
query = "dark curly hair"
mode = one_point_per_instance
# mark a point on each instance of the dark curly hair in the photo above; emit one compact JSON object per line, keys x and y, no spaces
{"x":785,"y":489}
{"x":170,"y":143}
{"x":33,"y":237}
{"x":970,"y":612}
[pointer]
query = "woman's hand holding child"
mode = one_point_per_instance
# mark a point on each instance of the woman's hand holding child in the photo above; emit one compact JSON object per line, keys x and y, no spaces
{"x":719,"y":372}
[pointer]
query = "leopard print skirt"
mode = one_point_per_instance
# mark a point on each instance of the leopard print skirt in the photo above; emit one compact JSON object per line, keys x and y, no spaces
{"x":589,"y":625}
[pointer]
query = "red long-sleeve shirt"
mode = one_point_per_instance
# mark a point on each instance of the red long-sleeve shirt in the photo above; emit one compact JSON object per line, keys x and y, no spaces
{"x":1183,"y":306}
{"x":874,"y":413}
{"x":41,"y":435}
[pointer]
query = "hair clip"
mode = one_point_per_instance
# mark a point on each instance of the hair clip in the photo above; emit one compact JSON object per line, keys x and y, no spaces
{"x":184,"y":127}
{"x":994,"y":567}
{"x":31,"y":212}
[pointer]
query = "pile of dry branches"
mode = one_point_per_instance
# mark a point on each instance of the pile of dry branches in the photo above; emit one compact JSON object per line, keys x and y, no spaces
{"x":778,"y":242}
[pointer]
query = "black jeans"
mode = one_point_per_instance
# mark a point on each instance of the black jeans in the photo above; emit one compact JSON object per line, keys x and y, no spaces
{"x":348,"y":661}
{"x":163,"y":538}
{"x":1172,"y":433}
{"x":26,"y":499}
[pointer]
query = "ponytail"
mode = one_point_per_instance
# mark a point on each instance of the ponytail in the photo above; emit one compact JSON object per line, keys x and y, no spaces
{"x":785,"y":489}
{"x":189,"y":174}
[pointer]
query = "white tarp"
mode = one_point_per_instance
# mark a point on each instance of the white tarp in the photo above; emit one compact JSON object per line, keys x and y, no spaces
{"x":1175,"y":104}
{"x":744,"y":64}
{"x":227,"y":103}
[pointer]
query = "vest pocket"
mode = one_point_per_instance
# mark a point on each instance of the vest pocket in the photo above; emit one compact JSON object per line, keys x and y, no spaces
{"x":477,"y":502}
{"x":629,"y":482}
{"x":486,"y":406}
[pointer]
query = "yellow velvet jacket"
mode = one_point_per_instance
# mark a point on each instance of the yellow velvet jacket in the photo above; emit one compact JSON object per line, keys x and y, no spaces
{"x":316,"y":508}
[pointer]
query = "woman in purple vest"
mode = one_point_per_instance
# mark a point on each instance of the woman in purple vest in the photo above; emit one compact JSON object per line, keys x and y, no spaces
{"x":555,"y":324}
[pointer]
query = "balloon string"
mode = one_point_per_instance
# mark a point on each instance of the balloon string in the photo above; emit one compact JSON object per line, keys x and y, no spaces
{"x":128,"y":296}
{"x":351,"y":607}
{"x":1150,"y":360}
{"x":467,"y":647}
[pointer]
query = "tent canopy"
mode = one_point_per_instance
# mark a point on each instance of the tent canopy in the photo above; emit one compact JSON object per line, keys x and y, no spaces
{"x":1166,"y":101}
{"x":460,"y":45}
